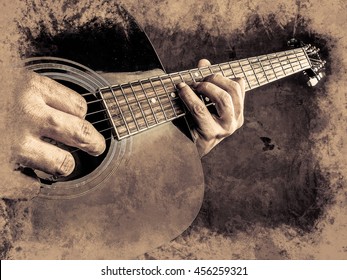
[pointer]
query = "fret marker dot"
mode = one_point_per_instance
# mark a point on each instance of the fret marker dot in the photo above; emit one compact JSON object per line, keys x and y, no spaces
{"x":196,"y":74}
{"x":173,"y":95}
{"x":207,"y":99}
{"x":153,"y":100}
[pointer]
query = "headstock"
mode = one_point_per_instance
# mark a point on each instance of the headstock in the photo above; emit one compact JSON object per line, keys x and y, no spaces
{"x":316,"y":72}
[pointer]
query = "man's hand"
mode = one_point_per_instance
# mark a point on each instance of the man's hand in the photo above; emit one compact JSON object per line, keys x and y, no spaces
{"x":45,"y":108}
{"x":228,"y":96}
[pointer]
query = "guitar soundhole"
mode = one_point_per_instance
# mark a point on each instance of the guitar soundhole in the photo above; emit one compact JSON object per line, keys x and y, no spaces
{"x":85,"y":163}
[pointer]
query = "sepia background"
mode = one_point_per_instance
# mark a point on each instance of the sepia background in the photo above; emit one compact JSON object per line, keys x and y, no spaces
{"x":276,"y":189}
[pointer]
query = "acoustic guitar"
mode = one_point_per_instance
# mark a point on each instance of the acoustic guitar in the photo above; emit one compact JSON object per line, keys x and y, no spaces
{"x":148,"y":186}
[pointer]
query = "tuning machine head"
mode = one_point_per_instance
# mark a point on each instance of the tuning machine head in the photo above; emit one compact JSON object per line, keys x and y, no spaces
{"x":316,"y":72}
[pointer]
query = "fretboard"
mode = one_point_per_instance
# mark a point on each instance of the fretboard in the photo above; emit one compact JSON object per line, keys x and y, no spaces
{"x":137,"y":106}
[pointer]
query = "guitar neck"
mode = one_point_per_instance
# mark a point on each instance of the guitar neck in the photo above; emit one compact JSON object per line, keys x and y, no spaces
{"x":137,"y":106}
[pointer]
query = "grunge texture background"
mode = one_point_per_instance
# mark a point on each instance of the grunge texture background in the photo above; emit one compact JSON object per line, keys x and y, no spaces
{"x":276,"y":189}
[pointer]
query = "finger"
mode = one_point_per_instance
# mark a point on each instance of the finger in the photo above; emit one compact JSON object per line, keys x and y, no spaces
{"x":197,"y":108}
{"x":203,"y":63}
{"x":234,"y":87}
{"x":222,"y":99}
{"x":73,"y":131}
{"x":60,"y":97}
{"x":242,"y":84}
{"x":37,"y":154}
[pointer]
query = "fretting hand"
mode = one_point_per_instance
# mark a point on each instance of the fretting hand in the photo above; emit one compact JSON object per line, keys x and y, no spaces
{"x":228,"y":96}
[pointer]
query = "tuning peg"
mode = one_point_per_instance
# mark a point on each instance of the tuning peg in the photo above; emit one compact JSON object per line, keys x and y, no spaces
{"x":313,"y":81}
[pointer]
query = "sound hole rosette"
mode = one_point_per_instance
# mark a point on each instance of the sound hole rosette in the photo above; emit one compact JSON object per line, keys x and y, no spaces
{"x":64,"y":70}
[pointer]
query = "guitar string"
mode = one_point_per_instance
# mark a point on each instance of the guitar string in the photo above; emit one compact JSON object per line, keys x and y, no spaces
{"x":170,"y":100}
{"x":167,"y":105}
{"x":167,"y":110}
{"x":165,"y":95}
{"x":228,"y":64}
{"x":158,"y":111}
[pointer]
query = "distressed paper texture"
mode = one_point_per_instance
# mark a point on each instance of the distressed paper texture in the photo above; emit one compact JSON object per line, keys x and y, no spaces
{"x":277,"y":188}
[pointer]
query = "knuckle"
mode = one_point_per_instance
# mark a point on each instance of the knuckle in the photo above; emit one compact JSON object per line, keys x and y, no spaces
{"x":82,"y":106}
{"x":67,"y":165}
{"x":239,"y":80}
{"x":85,"y":130}
{"x":32,"y":79}
{"x":225,"y":99}
{"x":52,"y":120}
{"x":228,"y":129}
{"x":22,"y":148}
{"x":199,"y":109}
{"x":213,"y":77}
{"x":203,"y":86}
{"x":235,"y":85}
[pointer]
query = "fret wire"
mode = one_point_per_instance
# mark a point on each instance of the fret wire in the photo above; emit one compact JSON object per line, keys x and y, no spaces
{"x":179,"y":74}
{"x":173,"y":82}
{"x":201,"y":97}
{"x":244,"y":75}
{"x":168,"y":96}
{"x":209,"y":68}
{"x":120,"y":110}
{"x":140,"y":106}
{"x":262,"y":67}
{"x":148,"y":101}
{"x":190,"y":73}
{"x":279,"y":61}
{"x":156,"y":94}
{"x":175,"y":87}
{"x":273,"y":69}
{"x":127,"y":102}
{"x":298,"y":59}
{"x":255,"y":75}
{"x":221,"y":70}
{"x":201,"y":74}
{"x":290,"y":64}
{"x":108,"y":112}
{"x":232,"y":70}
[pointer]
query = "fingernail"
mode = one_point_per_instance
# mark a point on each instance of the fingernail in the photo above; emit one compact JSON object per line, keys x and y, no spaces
{"x":181,"y":85}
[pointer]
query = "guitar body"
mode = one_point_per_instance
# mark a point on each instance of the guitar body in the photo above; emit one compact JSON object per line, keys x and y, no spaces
{"x":145,"y":191}
{"x":134,"y":204}
{"x":142,"y":192}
